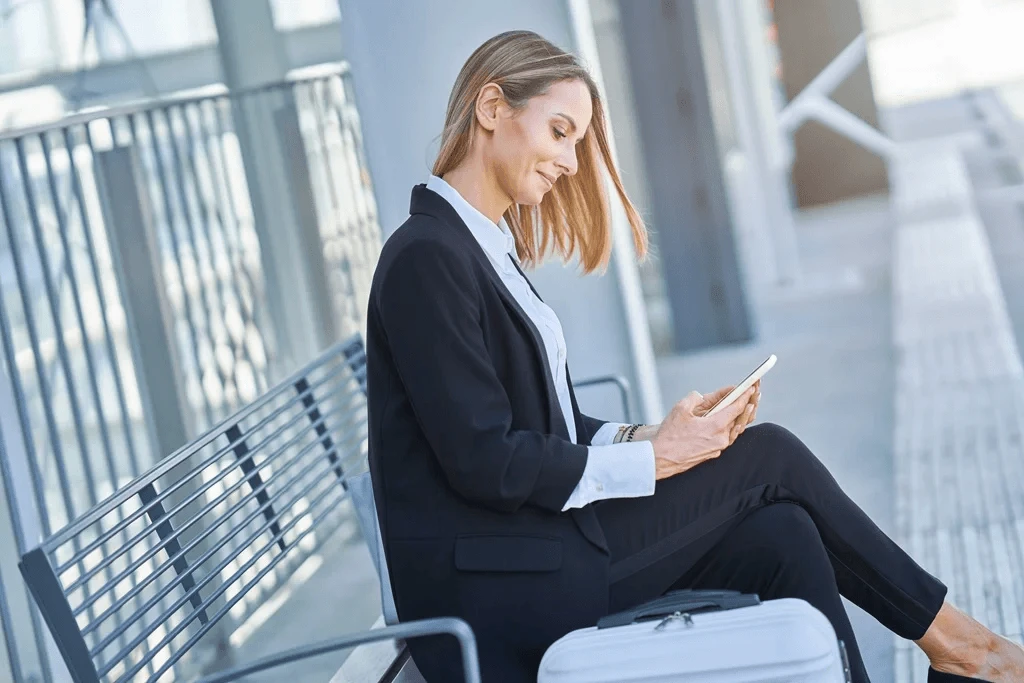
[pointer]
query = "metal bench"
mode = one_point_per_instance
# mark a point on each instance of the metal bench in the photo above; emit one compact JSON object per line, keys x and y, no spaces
{"x":138,"y":586}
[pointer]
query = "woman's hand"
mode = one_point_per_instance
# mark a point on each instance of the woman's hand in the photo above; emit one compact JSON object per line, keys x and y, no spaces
{"x":686,"y":438}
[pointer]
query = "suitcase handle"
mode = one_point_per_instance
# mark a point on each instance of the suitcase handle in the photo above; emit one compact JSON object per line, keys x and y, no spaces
{"x":680,"y":601}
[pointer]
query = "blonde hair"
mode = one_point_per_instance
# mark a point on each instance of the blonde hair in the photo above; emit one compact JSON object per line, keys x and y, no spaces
{"x":574,"y":217}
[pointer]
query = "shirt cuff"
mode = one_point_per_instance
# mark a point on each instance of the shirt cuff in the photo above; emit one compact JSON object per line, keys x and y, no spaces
{"x":622,"y":470}
{"x":606,"y":434}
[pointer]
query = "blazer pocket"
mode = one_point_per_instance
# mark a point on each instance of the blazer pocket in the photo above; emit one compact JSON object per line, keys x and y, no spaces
{"x":508,"y":553}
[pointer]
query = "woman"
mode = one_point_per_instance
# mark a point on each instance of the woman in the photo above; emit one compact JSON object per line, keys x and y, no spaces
{"x":500,"y":502}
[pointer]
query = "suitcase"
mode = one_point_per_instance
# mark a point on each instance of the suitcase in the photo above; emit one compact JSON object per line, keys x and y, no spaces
{"x":706,"y":636}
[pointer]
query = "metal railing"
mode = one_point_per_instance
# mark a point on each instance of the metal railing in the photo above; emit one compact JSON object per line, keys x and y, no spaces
{"x":133,"y":296}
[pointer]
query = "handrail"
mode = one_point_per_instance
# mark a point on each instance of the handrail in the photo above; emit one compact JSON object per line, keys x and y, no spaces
{"x":619,"y":381}
{"x":414,"y":629}
{"x":215,"y":92}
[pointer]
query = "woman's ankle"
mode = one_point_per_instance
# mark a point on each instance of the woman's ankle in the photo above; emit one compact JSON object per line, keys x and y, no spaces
{"x":957,"y":643}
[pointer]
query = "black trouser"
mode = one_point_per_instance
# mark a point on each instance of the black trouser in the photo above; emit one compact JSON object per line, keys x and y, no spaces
{"x":721,"y":525}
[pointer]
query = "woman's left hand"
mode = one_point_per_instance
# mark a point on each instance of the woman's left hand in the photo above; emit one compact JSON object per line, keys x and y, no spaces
{"x":746,"y":418}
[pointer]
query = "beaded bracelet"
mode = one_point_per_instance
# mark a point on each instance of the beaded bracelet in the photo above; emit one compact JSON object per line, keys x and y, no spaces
{"x":631,"y":432}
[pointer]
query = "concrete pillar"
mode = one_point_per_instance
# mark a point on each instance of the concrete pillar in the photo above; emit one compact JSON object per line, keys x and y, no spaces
{"x":762,"y":198}
{"x":267,"y":125}
{"x":827,"y":166}
{"x":689,"y":205}
{"x":405,"y":57}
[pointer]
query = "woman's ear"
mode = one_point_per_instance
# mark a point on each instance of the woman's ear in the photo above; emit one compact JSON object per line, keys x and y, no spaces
{"x":488,"y":106}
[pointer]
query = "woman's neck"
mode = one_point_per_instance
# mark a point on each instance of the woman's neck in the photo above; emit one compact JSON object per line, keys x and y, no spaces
{"x":479,"y":187}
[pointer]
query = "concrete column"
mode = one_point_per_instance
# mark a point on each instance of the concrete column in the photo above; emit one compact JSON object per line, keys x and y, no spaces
{"x":762,"y":202}
{"x":267,"y":125}
{"x":405,"y":57}
{"x":690,"y":208}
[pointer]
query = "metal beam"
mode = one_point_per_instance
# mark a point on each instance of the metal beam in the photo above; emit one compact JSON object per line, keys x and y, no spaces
{"x":173,"y":71}
{"x":813,"y":103}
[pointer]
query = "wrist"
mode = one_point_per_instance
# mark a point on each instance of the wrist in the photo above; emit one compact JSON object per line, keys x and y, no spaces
{"x":646,"y":433}
{"x":629,"y":433}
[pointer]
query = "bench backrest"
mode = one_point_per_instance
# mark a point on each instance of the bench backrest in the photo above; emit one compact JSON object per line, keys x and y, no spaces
{"x":132,"y":587}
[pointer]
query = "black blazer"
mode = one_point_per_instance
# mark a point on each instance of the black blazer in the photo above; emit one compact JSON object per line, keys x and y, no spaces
{"x":470,"y":456}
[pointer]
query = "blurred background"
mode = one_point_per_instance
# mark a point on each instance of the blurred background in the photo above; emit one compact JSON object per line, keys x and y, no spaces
{"x":193,"y":194}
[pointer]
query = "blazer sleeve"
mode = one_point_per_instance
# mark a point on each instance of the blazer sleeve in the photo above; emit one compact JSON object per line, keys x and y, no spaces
{"x":429,"y":305}
{"x":591,"y":425}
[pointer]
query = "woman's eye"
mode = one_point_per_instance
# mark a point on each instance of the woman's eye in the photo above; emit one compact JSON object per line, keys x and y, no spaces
{"x":558,"y":134}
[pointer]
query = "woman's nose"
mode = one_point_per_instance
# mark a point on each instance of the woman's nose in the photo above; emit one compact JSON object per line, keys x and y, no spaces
{"x":568,"y":164}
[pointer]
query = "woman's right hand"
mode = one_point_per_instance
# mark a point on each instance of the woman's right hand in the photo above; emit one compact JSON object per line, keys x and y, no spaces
{"x":686,"y":438}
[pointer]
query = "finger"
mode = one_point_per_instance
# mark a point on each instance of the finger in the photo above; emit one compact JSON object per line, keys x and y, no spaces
{"x":712,"y":398}
{"x":719,"y":394}
{"x":733,"y":411}
{"x":755,"y":403}
{"x":744,"y":420}
{"x":735,"y":433}
{"x":690,"y":403}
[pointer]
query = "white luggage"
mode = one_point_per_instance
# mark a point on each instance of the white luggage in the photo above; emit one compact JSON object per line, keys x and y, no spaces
{"x":706,"y":636}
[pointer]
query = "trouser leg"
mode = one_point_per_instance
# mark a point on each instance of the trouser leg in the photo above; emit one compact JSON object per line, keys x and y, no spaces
{"x":656,"y":540}
{"x":776,"y":552}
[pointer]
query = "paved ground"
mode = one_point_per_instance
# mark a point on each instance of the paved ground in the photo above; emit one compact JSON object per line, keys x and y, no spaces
{"x":339,"y":595}
{"x":960,"y":386}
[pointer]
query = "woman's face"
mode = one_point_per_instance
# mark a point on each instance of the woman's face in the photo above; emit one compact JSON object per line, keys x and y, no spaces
{"x":536,"y":145}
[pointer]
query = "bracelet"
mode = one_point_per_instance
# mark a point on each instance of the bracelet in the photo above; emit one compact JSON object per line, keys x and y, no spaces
{"x":631,"y":432}
{"x":620,"y":434}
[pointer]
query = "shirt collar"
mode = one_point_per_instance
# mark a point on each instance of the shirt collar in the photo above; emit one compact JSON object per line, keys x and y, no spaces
{"x":496,"y":239}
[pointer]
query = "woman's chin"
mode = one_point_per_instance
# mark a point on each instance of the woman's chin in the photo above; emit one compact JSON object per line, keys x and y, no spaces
{"x":531,"y":198}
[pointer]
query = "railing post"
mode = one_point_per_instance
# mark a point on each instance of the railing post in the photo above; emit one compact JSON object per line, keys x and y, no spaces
{"x":35,"y":655}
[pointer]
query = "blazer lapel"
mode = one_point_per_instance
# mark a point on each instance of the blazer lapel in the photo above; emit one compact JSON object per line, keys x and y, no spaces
{"x":426,"y":201}
{"x":554,"y":409}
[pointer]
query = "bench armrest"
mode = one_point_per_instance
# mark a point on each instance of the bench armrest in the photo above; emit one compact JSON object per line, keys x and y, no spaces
{"x":413,"y":629}
{"x":619,"y":381}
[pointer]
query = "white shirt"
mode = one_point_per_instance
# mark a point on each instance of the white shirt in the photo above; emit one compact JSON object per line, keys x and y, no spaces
{"x":623,"y":470}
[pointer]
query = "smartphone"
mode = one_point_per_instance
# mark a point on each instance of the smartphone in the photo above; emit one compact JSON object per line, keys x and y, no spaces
{"x":757,"y":374}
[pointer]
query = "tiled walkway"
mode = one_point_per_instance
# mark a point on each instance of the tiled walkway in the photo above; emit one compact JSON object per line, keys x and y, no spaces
{"x":959,"y":462}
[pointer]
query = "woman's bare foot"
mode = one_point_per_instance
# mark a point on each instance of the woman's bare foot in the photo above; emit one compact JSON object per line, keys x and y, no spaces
{"x":957,"y":644}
